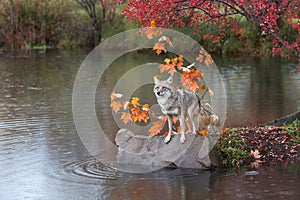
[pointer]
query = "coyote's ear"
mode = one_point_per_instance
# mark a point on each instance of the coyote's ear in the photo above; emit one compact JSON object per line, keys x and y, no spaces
{"x":170,"y":79}
{"x":156,"y":80}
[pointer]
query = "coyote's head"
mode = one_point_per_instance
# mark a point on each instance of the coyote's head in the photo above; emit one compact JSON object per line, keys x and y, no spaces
{"x":163,"y":88}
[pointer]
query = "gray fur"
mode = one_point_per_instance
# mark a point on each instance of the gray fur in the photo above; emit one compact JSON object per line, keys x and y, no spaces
{"x":181,"y":102}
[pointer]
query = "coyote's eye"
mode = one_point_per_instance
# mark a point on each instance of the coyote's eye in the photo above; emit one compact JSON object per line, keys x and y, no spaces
{"x":164,"y":89}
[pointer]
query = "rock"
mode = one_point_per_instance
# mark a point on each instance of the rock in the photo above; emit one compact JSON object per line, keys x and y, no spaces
{"x":284,"y":120}
{"x":152,"y":151}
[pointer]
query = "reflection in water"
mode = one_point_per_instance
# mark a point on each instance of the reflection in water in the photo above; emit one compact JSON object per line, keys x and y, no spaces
{"x":259,"y":91}
{"x":41,"y":156}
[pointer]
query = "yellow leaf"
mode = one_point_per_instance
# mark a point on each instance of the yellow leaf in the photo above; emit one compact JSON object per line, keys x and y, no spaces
{"x":135,"y":101}
{"x":167,"y":60}
{"x":153,"y":24}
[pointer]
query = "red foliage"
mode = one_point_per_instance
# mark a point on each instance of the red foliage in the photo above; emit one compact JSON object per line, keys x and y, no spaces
{"x":224,"y":14}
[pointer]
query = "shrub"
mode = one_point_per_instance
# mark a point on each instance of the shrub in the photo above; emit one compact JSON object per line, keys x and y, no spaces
{"x":26,"y":24}
{"x":231,"y":149}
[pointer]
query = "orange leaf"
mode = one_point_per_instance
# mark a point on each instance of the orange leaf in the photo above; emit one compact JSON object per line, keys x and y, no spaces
{"x":203,"y":132}
{"x":204,"y":57}
{"x":146,"y":107}
{"x":200,"y":58}
{"x":157,"y":126}
{"x":208,"y":60}
{"x":174,"y":119}
{"x":174,"y":60}
{"x":143,"y":116}
{"x":180,"y":59}
{"x":150,"y":32}
{"x":126,"y":117}
{"x":135,"y":111}
{"x":202,"y":87}
{"x":170,"y":68}
{"x":159,"y":47}
{"x":140,"y":116}
{"x":116,"y":106}
{"x":153,"y":114}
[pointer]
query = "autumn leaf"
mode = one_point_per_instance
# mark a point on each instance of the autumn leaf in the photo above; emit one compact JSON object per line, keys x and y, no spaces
{"x":126,"y":117}
{"x":152,"y":24}
{"x":174,"y":60}
{"x":208,"y":60}
{"x":140,"y":116}
{"x":204,"y":57}
{"x":146,"y":107}
{"x":165,"y":39}
{"x":180,"y":58}
{"x":169,"y":68}
{"x":202,"y":87}
{"x":167,"y":60}
{"x":200,"y":58}
{"x":135,"y":111}
{"x":188,"y":79}
{"x":116,"y":106}
{"x":190,"y":66}
{"x":203,"y":132}
{"x":255,"y":154}
{"x":126,"y":105}
{"x":135,"y":102}
{"x":214,"y":119}
{"x":159,"y":47}
{"x":210,"y":92}
{"x":157,"y":126}
{"x":174,"y":119}
{"x":208,"y":105}
{"x":143,"y":116}
{"x":153,"y":114}
{"x":151,"y":31}
{"x":114,"y":96}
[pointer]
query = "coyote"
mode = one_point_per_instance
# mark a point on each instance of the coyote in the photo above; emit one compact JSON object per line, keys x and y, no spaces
{"x":182,"y":103}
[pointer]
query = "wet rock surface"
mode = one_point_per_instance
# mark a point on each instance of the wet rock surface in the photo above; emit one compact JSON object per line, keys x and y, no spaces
{"x":152,"y":151}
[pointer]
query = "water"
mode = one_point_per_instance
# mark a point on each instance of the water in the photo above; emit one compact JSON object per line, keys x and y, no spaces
{"x":42,"y":157}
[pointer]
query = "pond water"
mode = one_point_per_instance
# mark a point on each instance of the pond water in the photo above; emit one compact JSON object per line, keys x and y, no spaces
{"x":42,"y":157}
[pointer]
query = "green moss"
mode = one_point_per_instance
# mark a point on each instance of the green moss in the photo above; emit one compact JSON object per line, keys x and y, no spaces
{"x":293,"y":130}
{"x":232,"y":150}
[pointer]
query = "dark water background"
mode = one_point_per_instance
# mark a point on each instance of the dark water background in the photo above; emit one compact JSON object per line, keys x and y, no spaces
{"x":42,"y":157}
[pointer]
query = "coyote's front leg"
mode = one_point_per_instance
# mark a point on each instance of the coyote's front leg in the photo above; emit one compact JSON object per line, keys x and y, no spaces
{"x":168,"y":138}
{"x":183,"y":128}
